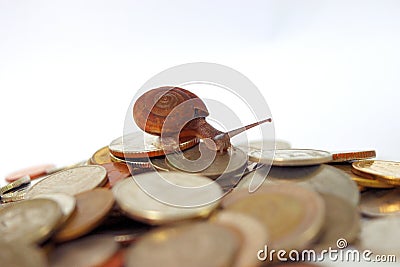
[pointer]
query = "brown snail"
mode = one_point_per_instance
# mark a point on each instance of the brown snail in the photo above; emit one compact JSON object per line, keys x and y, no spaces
{"x":176,"y":112}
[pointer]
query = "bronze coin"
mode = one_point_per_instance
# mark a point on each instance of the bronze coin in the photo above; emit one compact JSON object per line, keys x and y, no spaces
{"x":352,"y":155}
{"x":33,"y":172}
{"x":116,"y":171}
{"x":91,"y":209}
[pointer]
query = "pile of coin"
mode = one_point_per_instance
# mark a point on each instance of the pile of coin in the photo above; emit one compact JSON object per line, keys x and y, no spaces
{"x":130,"y":205}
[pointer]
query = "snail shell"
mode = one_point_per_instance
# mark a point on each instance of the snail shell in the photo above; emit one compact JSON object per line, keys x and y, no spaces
{"x":173,"y":110}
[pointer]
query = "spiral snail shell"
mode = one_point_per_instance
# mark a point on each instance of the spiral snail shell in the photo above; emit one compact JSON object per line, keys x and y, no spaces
{"x":172,"y":110}
{"x":176,"y":112}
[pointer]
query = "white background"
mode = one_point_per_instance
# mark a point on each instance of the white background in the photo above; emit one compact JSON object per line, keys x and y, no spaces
{"x":329,"y":70}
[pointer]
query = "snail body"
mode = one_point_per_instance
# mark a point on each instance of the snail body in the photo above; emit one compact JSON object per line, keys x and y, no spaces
{"x":173,"y":111}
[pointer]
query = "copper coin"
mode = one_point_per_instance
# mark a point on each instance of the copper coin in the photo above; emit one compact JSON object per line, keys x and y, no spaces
{"x":33,"y":172}
{"x":292,"y":215}
{"x":91,"y":209}
{"x":353,"y":155}
{"x":192,"y":245}
{"x":376,"y":203}
{"x":116,"y":171}
{"x":342,"y":220}
{"x":101,"y":156}
{"x":115,"y":261}
{"x":142,"y":145}
{"x":88,"y":251}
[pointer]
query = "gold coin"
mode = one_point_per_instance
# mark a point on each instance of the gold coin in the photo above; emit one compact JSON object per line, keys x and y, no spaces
{"x":342,"y":220}
{"x":290,"y":157}
{"x":20,"y":254}
{"x":14,"y":196}
{"x":253,"y":233}
{"x":91,"y":209}
{"x":101,"y":156}
{"x":142,"y":145}
{"x":376,"y":203}
{"x":159,"y":198}
{"x":231,"y":162}
{"x":30,"y":221}
{"x":381,"y":236}
{"x":66,"y":202}
{"x":23,"y":181}
{"x":88,"y":251}
{"x":387,"y":171}
{"x":321,"y":178}
{"x":193,"y":245}
{"x":71,"y":181}
{"x":292,"y":215}
{"x":364,"y":180}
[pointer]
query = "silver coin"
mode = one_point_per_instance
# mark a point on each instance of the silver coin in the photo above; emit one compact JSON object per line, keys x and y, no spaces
{"x":195,"y":244}
{"x":89,"y":251}
{"x":67,"y":203}
{"x":142,"y":145}
{"x":158,"y":198}
{"x":21,"y":254}
{"x":71,"y":181}
{"x":320,"y":178}
{"x":30,"y":221}
{"x":381,"y":236}
{"x":290,"y":157}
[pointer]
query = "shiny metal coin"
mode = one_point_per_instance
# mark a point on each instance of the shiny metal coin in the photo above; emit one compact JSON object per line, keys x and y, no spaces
{"x":387,"y":171}
{"x":159,"y":198}
{"x":290,"y":157}
{"x":88,"y":251}
{"x":226,"y":163}
{"x":376,"y":203}
{"x":101,"y":156}
{"x":381,"y":236}
{"x":71,"y":181}
{"x":253,"y":235}
{"x":20,"y":254}
{"x":142,"y":145}
{"x":92,"y":207}
{"x":362,"y":179}
{"x":342,"y":220}
{"x":30,"y":221}
{"x":320,"y":178}
{"x":66,"y":202}
{"x":352,"y":155}
{"x":192,"y":245}
{"x":292,"y":215}
{"x":23,"y":181}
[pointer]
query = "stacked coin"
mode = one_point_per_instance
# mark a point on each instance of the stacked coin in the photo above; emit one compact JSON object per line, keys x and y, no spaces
{"x":132,"y":205}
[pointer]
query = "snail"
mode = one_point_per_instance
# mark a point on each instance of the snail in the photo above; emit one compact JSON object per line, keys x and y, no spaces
{"x":176,"y":112}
